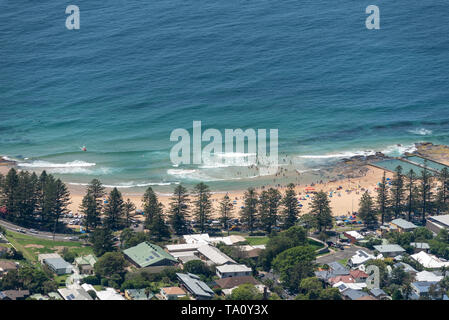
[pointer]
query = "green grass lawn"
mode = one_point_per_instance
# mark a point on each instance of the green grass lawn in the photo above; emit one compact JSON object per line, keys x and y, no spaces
{"x":315,"y":244}
{"x":254,"y":241}
{"x":24,"y":243}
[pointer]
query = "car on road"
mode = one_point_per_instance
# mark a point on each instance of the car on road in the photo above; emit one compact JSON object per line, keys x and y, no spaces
{"x":21,"y":230}
{"x":33,"y":231}
{"x":74,"y":238}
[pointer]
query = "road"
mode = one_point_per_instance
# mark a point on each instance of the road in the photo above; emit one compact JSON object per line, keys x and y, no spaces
{"x":40,"y":234}
{"x":341,"y":254}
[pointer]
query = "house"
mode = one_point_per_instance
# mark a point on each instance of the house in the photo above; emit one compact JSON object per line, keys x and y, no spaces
{"x":14,"y":294}
{"x":58,"y":266}
{"x":86,"y":264}
{"x":421,"y":288}
{"x":390,"y":250}
{"x":197,"y":288}
{"x":74,"y":294}
{"x":427,"y":276}
{"x":351,"y":294}
{"x":172,"y":293}
{"x":138,"y":294}
{"x":429,"y":261}
{"x":359,"y":258}
{"x":342,"y":286}
{"x":358,"y":275}
{"x":232,"y":282}
{"x":214,"y":256}
{"x":420,"y":246}
{"x":183,"y":252}
{"x":436,"y":223}
{"x":105,"y":295}
{"x":233,"y":270}
{"x":338,"y":269}
{"x":204,"y":239}
{"x":378,"y":293}
{"x":407,"y":268}
{"x":344,"y":279}
{"x":56,"y":263}
{"x":44,"y":256}
{"x":6,"y":266}
{"x":353,"y":236}
{"x":146,"y":255}
{"x":403,"y":225}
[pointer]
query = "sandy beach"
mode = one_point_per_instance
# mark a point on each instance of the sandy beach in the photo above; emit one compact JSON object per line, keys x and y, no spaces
{"x":342,"y":201}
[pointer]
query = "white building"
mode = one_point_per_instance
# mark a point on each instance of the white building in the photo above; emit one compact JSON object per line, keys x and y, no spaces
{"x":429,"y":260}
{"x":359,"y":258}
{"x":233,"y":270}
{"x":214,"y":255}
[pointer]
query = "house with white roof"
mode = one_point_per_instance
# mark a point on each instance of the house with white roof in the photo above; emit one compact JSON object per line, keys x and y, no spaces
{"x":359,"y":258}
{"x":427,"y":276}
{"x":429,"y":261}
{"x":233,"y":270}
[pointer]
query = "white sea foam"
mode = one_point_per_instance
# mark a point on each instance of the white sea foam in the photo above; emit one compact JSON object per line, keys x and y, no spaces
{"x":421,"y":131}
{"x":128,"y":185}
{"x":346,"y":154}
{"x":46,"y":164}
{"x":393,"y":150}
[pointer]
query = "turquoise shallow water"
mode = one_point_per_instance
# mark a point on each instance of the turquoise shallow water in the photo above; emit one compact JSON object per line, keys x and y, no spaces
{"x":137,"y":70}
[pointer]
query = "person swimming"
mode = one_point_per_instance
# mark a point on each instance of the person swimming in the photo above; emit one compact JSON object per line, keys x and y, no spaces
{"x":83,"y":148}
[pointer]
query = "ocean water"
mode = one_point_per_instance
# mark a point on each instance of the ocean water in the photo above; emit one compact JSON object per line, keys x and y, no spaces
{"x":136,"y":70}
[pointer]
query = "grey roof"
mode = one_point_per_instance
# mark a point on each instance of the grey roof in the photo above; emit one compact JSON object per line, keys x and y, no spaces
{"x":386,"y":248}
{"x":354,"y":294}
{"x":195,"y":286}
{"x":338,"y":269}
{"x":58,"y":263}
{"x":444,"y":219}
{"x":407,"y":267}
{"x":377,"y":292}
{"x":404,"y":224}
{"x":420,"y":245}
{"x":215,"y":255}
{"x":423,"y":286}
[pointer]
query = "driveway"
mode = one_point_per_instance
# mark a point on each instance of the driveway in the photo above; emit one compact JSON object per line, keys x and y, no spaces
{"x":340,"y":254}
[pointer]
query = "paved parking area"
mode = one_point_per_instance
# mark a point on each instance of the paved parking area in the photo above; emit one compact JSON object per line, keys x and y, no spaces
{"x":340,"y":254}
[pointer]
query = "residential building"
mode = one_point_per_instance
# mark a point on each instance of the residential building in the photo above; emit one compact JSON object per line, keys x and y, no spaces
{"x":421,"y":288}
{"x":214,"y":256}
{"x":59,"y":266}
{"x":146,"y":255}
{"x":197,"y":288}
{"x":429,"y":261}
{"x":436,"y":223}
{"x":232,"y":282}
{"x":233,"y":270}
{"x":420,"y":246}
{"x":351,"y":294}
{"x":86,"y":264}
{"x":14,"y":294}
{"x":390,"y":250}
{"x":138,"y":294}
{"x":358,"y":275}
{"x":359,"y":258}
{"x":403,"y":225}
{"x":427,"y":276}
{"x":172,"y":293}
{"x":378,"y":293}
{"x":353,"y":236}
{"x":74,"y":294}
{"x":6,"y":266}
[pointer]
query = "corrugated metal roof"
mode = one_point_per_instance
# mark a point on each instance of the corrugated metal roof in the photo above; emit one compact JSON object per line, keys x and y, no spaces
{"x":215,"y":255}
{"x":195,"y":286}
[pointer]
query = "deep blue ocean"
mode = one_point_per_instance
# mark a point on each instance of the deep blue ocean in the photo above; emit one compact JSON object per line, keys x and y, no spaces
{"x":136,"y":70}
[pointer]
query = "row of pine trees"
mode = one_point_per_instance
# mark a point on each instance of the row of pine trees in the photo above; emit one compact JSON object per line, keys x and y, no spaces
{"x":411,"y":196}
{"x":33,"y":201}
